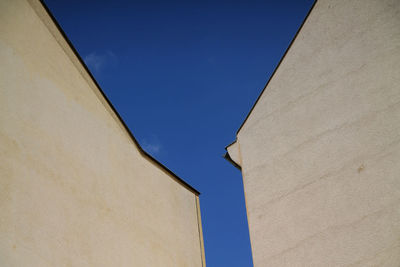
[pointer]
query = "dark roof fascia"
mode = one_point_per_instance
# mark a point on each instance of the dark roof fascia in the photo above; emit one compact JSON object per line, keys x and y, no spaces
{"x":276,"y":68}
{"x":179,"y":180}
{"x":228,"y":158}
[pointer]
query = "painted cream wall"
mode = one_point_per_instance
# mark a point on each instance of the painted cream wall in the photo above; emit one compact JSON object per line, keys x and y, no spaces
{"x":74,"y":188}
{"x":320,"y":152}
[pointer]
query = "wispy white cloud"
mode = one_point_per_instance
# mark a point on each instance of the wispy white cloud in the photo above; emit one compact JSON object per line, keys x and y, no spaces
{"x":99,"y":61}
{"x":151,"y":145}
{"x":152,"y":148}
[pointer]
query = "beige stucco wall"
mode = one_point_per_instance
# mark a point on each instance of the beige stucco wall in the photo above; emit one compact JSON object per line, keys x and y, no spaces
{"x":75,"y":190}
{"x":320,"y":152}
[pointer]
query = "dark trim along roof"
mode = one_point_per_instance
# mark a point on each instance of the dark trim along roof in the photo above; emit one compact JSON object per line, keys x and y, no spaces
{"x":228,"y":158}
{"x":280,"y":61}
{"x":179,"y":180}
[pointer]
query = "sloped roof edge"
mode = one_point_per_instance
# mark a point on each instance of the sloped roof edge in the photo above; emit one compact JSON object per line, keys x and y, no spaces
{"x":227,"y":156}
{"x":230,"y":160}
{"x":141,"y":150}
{"x":279,"y":63}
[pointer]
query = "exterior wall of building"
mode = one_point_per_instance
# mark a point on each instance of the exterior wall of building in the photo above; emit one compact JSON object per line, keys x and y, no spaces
{"x":75,"y":190}
{"x":320,"y":151}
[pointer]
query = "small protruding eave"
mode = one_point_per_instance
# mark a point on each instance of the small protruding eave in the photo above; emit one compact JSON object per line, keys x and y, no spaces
{"x":232,"y":155}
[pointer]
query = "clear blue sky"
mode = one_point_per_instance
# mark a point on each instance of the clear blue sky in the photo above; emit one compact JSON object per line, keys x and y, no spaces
{"x":183,"y":75}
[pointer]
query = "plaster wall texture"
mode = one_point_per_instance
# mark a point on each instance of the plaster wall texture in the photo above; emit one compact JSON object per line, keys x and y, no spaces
{"x":75,"y":190}
{"x":320,"y":151}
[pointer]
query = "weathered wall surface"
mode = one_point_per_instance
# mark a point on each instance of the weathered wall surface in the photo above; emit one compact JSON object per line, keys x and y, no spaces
{"x":320,"y":152}
{"x":74,"y":188}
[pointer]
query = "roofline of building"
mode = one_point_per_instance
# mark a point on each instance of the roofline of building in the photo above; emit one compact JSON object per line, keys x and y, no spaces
{"x":230,"y":160}
{"x":226,"y":156}
{"x":276,"y":68}
{"x":141,"y":150}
